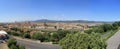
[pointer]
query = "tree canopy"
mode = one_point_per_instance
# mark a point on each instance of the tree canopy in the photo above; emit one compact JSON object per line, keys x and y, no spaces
{"x":83,"y":41}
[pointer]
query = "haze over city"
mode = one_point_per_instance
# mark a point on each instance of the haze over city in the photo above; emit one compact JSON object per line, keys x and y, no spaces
{"x":93,"y":10}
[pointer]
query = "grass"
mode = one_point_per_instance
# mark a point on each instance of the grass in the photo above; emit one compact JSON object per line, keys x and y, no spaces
{"x":112,"y":32}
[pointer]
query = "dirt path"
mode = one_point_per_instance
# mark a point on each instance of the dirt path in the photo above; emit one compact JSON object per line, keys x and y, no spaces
{"x":114,"y":41}
{"x":3,"y":46}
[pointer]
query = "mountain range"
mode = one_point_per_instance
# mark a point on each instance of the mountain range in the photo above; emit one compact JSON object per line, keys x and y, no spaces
{"x":69,"y":21}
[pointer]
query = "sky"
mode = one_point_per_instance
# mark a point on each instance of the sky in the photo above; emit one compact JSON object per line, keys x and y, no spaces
{"x":92,"y":10}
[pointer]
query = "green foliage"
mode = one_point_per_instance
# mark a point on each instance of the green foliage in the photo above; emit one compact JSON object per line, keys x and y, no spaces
{"x":89,"y":31}
{"x":111,"y":34}
{"x":14,"y":33}
{"x":55,"y":37}
{"x":11,"y":42}
{"x":13,"y":46}
{"x":38,"y":36}
{"x":15,"y":29}
{"x":116,"y":24}
{"x":101,"y":29}
{"x":47,"y":37}
{"x":26,"y":35}
{"x":98,"y":30}
{"x":83,"y":41}
{"x":106,"y":27}
{"x":62,"y":33}
{"x":21,"y":47}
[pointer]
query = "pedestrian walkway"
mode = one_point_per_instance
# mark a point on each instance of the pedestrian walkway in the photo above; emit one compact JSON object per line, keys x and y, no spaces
{"x":3,"y":46}
{"x":114,"y":41}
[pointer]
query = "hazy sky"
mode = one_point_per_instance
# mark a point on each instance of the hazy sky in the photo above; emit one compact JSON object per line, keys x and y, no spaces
{"x":96,"y":10}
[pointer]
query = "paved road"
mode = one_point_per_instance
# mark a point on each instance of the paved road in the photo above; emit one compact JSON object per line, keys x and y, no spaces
{"x":114,"y":41}
{"x":32,"y":45}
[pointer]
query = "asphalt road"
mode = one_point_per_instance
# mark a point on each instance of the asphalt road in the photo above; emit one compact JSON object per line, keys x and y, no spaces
{"x":32,"y":45}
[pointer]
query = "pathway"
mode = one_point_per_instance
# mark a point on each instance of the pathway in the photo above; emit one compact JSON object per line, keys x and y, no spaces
{"x":114,"y":41}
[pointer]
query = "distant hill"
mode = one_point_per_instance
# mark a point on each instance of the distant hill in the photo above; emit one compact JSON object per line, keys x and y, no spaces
{"x":69,"y":21}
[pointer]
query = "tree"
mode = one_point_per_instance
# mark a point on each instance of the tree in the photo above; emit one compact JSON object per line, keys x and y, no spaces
{"x":55,"y":37}
{"x":116,"y":24}
{"x":15,"y":29}
{"x":14,"y":33}
{"x":38,"y":36}
{"x":26,"y":35}
{"x":62,"y":33}
{"x":89,"y":31}
{"x":11,"y":42}
{"x":83,"y":41}
{"x":106,"y":27}
{"x":13,"y":47}
{"x":47,"y":37}
{"x":98,"y":30}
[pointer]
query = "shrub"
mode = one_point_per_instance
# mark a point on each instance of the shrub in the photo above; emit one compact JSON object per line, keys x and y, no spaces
{"x":89,"y":31}
{"x":38,"y":36}
{"x":13,"y":46}
{"x":11,"y":42}
{"x":26,"y":35}
{"x":14,"y":33}
{"x":83,"y":41}
{"x":55,"y":37}
{"x":21,"y":47}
